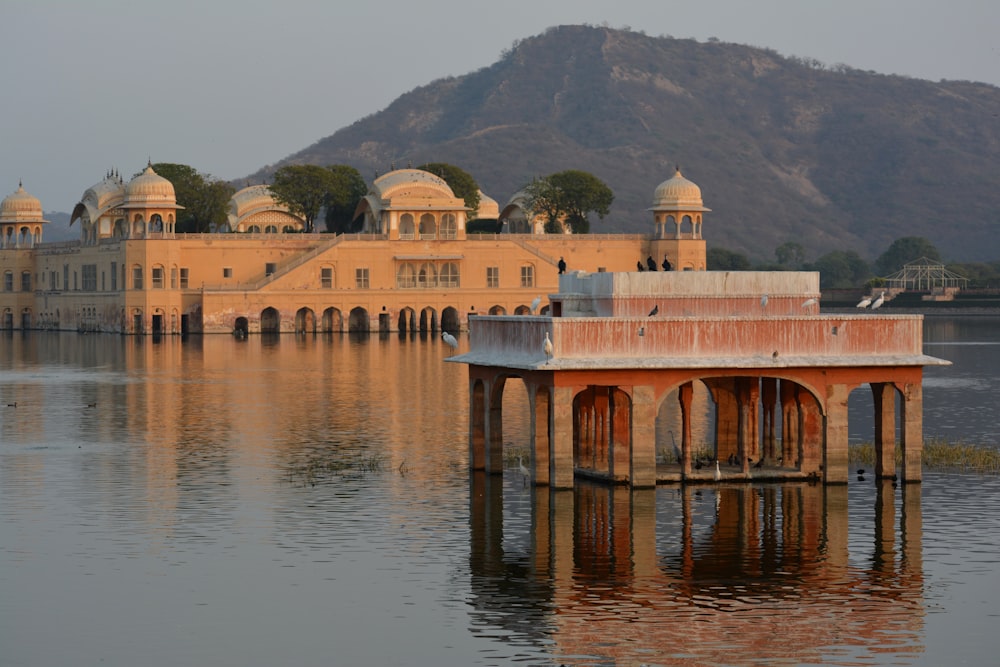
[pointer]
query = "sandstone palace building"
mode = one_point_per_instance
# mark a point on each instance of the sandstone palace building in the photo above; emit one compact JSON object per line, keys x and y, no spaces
{"x":412,"y":268}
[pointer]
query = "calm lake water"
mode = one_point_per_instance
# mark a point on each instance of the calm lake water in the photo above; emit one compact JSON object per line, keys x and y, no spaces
{"x":307,"y":501}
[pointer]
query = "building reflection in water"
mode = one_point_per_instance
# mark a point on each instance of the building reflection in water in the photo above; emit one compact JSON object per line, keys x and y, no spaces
{"x":696,"y":575}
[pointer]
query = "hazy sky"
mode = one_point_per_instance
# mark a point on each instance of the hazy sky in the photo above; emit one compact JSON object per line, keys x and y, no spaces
{"x":228,"y":86}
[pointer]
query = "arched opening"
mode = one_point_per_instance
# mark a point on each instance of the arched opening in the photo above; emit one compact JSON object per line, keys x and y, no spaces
{"x":241,"y":327}
{"x":305,"y":321}
{"x":602,"y":432}
{"x":270,"y":321}
{"x":450,"y":320}
{"x":406,"y":276}
{"x":407,"y":320}
{"x":497,"y":310}
{"x":449,"y":228}
{"x":522,"y":310}
{"x":427,"y":277}
{"x":333,"y":320}
{"x":670,"y":424}
{"x":406,"y":227}
{"x":449,"y":275}
{"x":428,"y":227}
{"x":358,"y":321}
{"x":155,"y":223}
{"x":428,"y":320}
{"x":687,"y":227}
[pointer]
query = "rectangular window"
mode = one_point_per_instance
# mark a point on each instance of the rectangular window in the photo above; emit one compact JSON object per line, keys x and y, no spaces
{"x":26,"y":281}
{"x":65,"y":282}
{"x":75,"y":283}
{"x":326,"y":277}
{"x":8,"y":282}
{"x":493,"y":276}
{"x":89,"y":272}
{"x":157,"y":277}
{"x":137,"y":277}
{"x":114,"y":276}
{"x":173,"y":277}
{"x":361,"y":278}
{"x":527,"y":276}
{"x":227,"y":272}
{"x":103,"y":281}
{"x":184,"y":278}
{"x":269,"y":268}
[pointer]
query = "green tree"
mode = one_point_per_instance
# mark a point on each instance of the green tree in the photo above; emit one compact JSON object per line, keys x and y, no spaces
{"x":566,"y":197}
{"x":460,"y":182}
{"x":205,"y":199}
{"x":903,"y":251}
{"x":346,"y":189}
{"x":790,"y":254}
{"x":720,"y":259}
{"x":303,"y":189}
{"x":840,"y":269}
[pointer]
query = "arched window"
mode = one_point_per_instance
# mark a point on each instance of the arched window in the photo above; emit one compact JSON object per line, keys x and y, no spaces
{"x":449,"y":275}
{"x":448,"y":227}
{"x":271,"y":229}
{"x":427,"y":276}
{"x":156,"y":223}
{"x":406,"y":226}
{"x":406,"y":276}
{"x":428,"y":229}
{"x":253,"y":229}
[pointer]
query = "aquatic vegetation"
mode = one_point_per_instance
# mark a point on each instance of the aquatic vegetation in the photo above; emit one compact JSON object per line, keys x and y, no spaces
{"x":940,"y":454}
{"x":316,"y":469}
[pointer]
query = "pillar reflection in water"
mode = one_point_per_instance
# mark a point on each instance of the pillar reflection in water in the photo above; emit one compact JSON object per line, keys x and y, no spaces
{"x":663,"y":575}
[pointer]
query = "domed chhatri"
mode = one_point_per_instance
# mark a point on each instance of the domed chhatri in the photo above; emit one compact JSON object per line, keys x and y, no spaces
{"x":20,"y":220}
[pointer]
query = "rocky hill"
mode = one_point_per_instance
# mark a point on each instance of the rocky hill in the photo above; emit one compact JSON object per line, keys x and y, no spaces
{"x":784,"y":149}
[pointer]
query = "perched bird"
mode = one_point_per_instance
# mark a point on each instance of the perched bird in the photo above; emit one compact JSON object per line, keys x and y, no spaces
{"x":449,"y":339}
{"x":763,"y":301}
{"x":535,"y":303}
{"x":718,"y":473}
{"x":877,"y":303}
{"x":809,"y":302}
{"x":655,"y":310}
{"x":864,"y":303}
{"x":523,"y":468}
{"x":547,"y":345}
{"x":12,"y":405}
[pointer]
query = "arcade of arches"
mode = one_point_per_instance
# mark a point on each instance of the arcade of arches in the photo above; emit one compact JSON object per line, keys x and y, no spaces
{"x":655,"y":430}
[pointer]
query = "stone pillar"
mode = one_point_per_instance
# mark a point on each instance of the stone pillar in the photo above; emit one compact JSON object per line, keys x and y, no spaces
{"x":748,"y":396}
{"x":620,"y":441}
{"x":477,"y":424}
{"x":562,"y":465}
{"x":884,"y":394}
{"x":685,"y":393}
{"x":789,"y":425}
{"x":769,"y":400}
{"x":913,"y":432}
{"x":642,"y":471}
{"x":494,"y":428}
{"x":541,"y":441}
{"x":835,"y":463}
{"x":811,"y":436}
{"x":727,"y":422}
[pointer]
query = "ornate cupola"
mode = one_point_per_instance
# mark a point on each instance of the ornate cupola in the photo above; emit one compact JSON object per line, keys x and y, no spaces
{"x":150,"y":204}
{"x":21,"y":220}
{"x":677,"y":213}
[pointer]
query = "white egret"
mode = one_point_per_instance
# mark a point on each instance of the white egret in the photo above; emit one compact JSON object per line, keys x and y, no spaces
{"x":718,"y":473}
{"x":864,"y":303}
{"x":810,"y":302}
{"x":877,"y":303}
{"x":535,"y":303}
{"x":763,"y":301}
{"x":449,"y":339}
{"x":547,"y":345}
{"x":523,"y":468}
